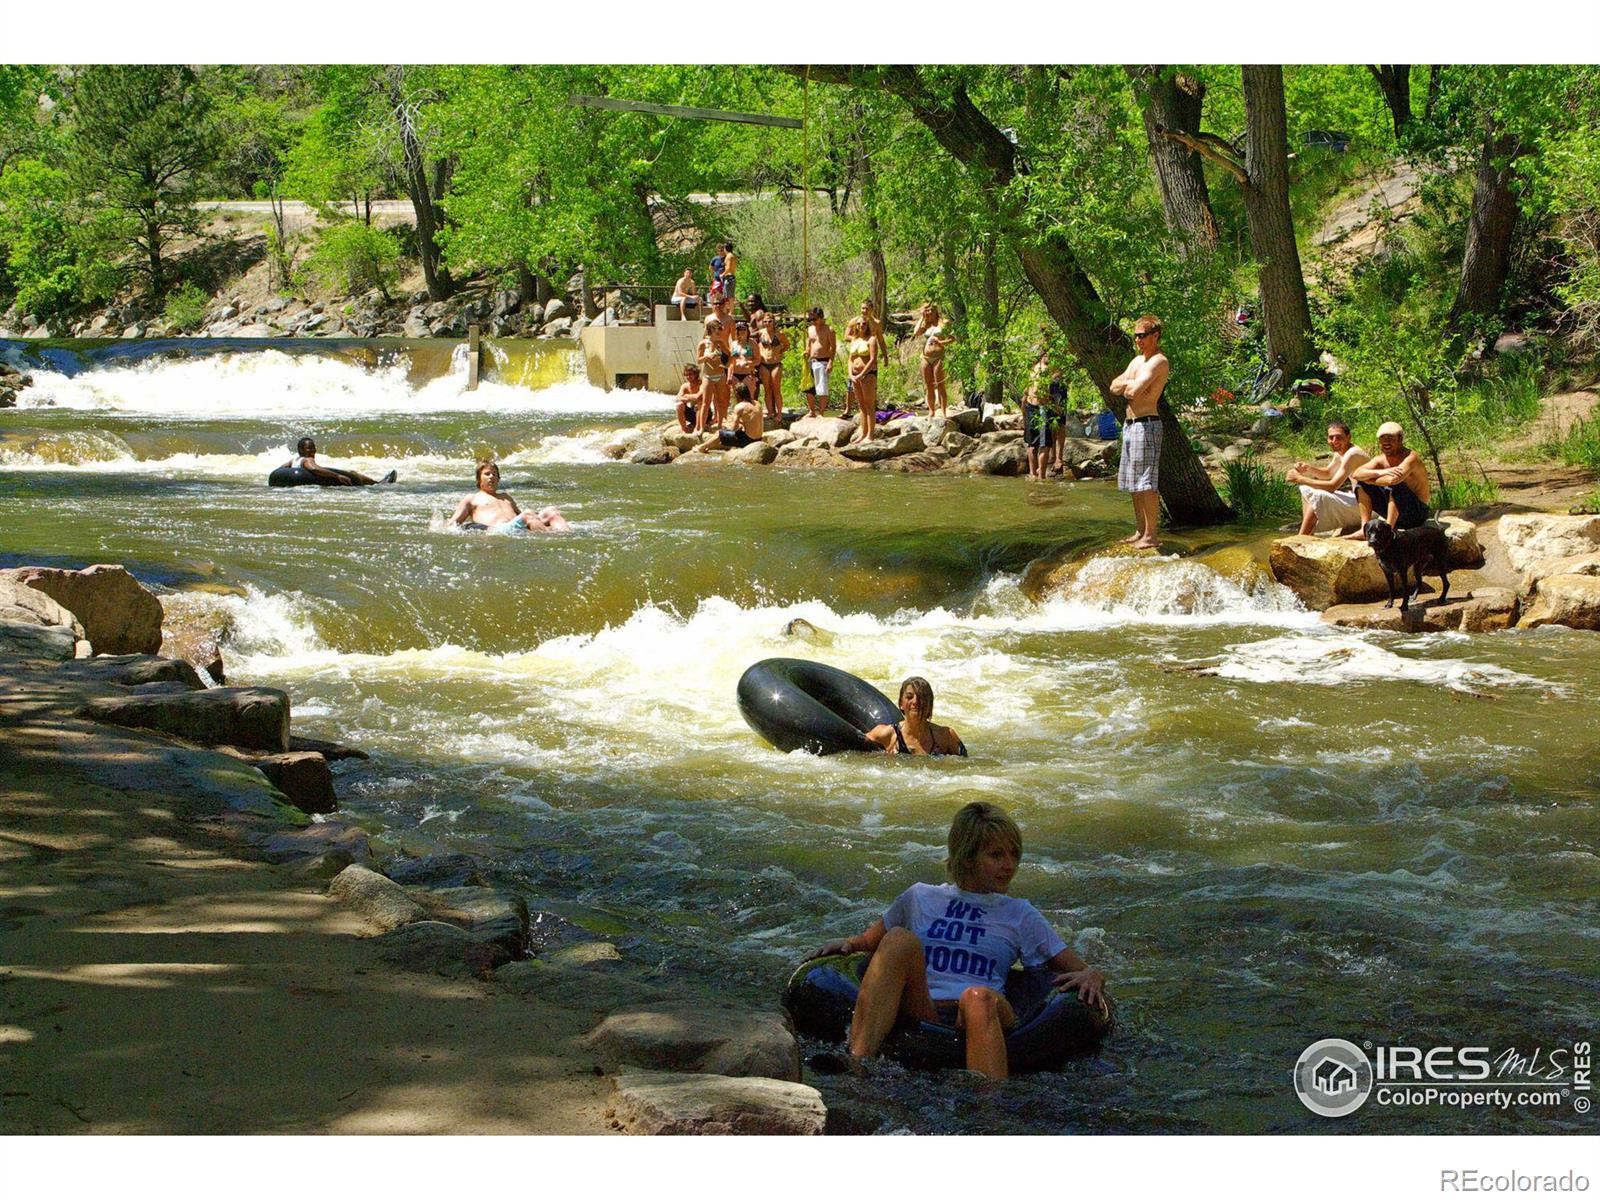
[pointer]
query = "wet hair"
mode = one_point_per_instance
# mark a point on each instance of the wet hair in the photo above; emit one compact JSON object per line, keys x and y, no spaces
{"x":921,"y":689}
{"x":306,"y":446}
{"x":1340,"y":426}
{"x":974,"y":827}
{"x":485,"y":464}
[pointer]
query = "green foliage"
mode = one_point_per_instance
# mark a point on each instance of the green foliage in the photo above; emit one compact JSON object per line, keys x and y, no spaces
{"x":142,"y":139}
{"x":36,"y":232}
{"x":1581,"y":446}
{"x":1465,"y":492}
{"x":351,"y":258}
{"x":186,"y":308}
{"x":1256,"y":492}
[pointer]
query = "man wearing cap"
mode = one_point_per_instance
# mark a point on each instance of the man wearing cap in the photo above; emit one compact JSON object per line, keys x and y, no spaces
{"x":1394,"y":481}
{"x":1142,"y":384}
{"x":1327,"y":495}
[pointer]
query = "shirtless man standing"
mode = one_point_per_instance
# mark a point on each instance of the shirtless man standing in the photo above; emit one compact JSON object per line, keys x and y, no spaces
{"x":1395,"y":479}
{"x":821,"y":346}
{"x":490,"y":509}
{"x":744,"y":428}
{"x":1142,"y":384}
{"x":1327,"y":495}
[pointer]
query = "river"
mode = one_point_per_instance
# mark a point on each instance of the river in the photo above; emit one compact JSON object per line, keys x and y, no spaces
{"x":1381,"y":837}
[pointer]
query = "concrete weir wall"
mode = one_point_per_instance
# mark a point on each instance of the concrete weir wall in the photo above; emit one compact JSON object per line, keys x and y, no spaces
{"x":616,"y":355}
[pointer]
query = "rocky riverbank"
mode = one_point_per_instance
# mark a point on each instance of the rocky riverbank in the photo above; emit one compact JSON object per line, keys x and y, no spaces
{"x":193,"y":941}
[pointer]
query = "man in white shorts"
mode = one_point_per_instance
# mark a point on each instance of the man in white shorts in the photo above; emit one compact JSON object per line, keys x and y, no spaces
{"x":1327,"y":494}
{"x":821,"y":346}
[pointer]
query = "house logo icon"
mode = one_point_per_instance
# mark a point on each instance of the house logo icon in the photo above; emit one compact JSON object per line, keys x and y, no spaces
{"x":1333,"y":1077}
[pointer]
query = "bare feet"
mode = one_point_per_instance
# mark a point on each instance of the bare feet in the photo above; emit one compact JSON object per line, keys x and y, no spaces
{"x":1131,"y":538}
{"x":1146,"y":544}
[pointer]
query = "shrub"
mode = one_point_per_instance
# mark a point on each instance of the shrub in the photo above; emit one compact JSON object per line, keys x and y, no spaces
{"x":1465,"y":493}
{"x":38,"y":238}
{"x":351,"y":258}
{"x":186,"y":308}
{"x":1256,"y":492}
{"x":1581,"y":446}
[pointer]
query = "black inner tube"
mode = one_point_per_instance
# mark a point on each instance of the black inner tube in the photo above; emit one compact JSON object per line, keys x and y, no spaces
{"x":800,"y":705}
{"x":287,"y":476}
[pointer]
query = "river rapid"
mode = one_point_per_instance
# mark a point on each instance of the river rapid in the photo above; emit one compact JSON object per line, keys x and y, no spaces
{"x":1387,"y":838}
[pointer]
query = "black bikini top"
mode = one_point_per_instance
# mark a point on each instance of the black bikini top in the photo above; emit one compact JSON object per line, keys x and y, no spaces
{"x":902,"y":748}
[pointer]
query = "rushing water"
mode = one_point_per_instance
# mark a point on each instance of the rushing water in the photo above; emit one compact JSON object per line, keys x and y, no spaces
{"x":1380,"y":837}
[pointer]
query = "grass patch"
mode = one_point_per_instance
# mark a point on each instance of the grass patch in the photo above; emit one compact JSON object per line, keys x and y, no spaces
{"x":1256,"y":492}
{"x":1581,"y":446}
{"x":1461,"y":492}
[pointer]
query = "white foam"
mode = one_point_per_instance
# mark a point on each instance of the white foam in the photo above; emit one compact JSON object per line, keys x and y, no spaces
{"x":1334,"y":659}
{"x":272,"y":384}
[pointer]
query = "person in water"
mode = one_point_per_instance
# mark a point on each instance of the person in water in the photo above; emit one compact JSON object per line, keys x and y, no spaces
{"x":490,"y":509}
{"x":941,"y":952}
{"x":305,"y":459}
{"x":916,"y":734}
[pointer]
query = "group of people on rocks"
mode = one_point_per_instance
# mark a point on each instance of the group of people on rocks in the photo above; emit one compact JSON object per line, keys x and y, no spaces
{"x":1354,"y":486}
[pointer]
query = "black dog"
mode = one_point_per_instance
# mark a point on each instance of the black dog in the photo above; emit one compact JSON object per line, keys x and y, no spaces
{"x":1401,"y":550}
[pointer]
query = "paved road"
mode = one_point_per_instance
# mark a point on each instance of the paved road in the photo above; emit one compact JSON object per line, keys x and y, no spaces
{"x":388,"y":212}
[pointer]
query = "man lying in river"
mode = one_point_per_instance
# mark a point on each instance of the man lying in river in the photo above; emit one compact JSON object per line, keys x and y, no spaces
{"x":305,"y":459}
{"x":490,"y":509}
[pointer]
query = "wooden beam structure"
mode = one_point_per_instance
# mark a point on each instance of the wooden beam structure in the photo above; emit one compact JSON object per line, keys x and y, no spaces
{"x":680,"y":110}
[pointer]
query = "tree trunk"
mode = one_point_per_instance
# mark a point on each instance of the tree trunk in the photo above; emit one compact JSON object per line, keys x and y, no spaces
{"x":1266,"y":200}
{"x":955,"y":295}
{"x":158,"y":278}
{"x":1433,"y":94}
{"x":1170,"y":100}
{"x":585,"y":296}
{"x":1049,"y":263}
{"x":419,"y":189}
{"x":993,"y":350}
{"x":1395,"y":84}
{"x":543,"y":289}
{"x":869,"y":201}
{"x":1487,"y":260}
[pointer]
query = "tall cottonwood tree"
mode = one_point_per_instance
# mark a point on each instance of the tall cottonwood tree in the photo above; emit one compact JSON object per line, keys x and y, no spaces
{"x":1170,"y":99}
{"x":1395,"y":84}
{"x":1262,"y":172}
{"x":1048,"y":260}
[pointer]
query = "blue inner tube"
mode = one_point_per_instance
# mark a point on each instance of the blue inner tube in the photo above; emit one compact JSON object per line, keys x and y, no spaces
{"x":287,"y":476}
{"x":1051,"y":1027}
{"x":801,"y":705}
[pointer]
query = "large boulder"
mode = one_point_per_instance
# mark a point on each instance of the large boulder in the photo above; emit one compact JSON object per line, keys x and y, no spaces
{"x":490,"y":916}
{"x":383,"y":902}
{"x":1571,"y":600}
{"x":828,"y":431}
{"x":685,"y":1038}
{"x":439,"y":948}
{"x":756,"y":454}
{"x":934,"y":458}
{"x":119,"y":616}
{"x":302,"y":776}
{"x":254,"y":718}
{"x":1327,"y":571}
{"x":557,"y":309}
{"x":1533,"y":540}
{"x":653,"y":456}
{"x":660,"y":1102}
{"x":26,"y":639}
{"x":626,"y":441}
{"x":680,"y":441}
{"x":28,"y":606}
{"x":995,"y":458}
{"x":797,"y":455}
{"x":1462,"y":536}
{"x":908,"y":442}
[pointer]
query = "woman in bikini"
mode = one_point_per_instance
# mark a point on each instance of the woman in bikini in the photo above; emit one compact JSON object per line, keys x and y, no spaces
{"x":773,"y":343}
{"x":933,"y":382}
{"x":742,"y":363}
{"x":917,"y":734}
{"x":713,"y":360}
{"x":864,"y":375}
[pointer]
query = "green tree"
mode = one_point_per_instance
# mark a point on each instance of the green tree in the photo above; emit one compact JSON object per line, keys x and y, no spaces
{"x":47,"y":256}
{"x":142,"y":140}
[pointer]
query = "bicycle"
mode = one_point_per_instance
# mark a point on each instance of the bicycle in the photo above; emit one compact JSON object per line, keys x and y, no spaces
{"x":1266,"y":381}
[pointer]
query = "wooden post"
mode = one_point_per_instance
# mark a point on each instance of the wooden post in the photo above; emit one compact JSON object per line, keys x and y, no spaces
{"x":473,"y":359}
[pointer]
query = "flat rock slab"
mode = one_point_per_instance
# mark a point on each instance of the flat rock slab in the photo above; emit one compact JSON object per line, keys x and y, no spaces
{"x":29,"y":606}
{"x":1571,"y":600}
{"x":383,"y":902}
{"x":662,"y":1103}
{"x":490,"y":916}
{"x":119,"y":615}
{"x":441,"y":949}
{"x":254,"y":718}
{"x":829,"y":431}
{"x":1482,"y":611}
{"x":23,"y":639}
{"x":1533,"y":539}
{"x":332,"y":751}
{"x":879,"y":449}
{"x":680,"y":1038}
{"x":111,"y":672}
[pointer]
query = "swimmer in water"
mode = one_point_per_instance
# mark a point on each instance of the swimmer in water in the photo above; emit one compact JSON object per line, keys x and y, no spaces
{"x":305,"y":459}
{"x":492,"y":510}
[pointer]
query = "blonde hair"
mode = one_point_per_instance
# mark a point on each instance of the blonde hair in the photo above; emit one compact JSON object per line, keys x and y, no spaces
{"x":485,"y":464}
{"x":974,"y":827}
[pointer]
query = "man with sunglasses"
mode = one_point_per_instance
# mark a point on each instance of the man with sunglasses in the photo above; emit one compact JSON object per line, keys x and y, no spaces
{"x":1142,"y":384}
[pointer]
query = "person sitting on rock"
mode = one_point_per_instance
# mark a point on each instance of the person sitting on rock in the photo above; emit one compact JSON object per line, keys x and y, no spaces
{"x":915,"y":971}
{"x":1327,"y":494}
{"x":691,"y":400}
{"x":744,"y":428}
{"x":1394,"y":480}
{"x":494,"y":511}
{"x":686,"y":294}
{"x":305,"y":459}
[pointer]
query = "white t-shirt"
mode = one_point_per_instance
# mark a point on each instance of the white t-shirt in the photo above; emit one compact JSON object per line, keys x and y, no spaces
{"x":971,"y":939}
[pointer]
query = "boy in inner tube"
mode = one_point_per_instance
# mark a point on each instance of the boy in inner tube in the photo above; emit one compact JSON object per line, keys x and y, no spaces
{"x":941,"y":951}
